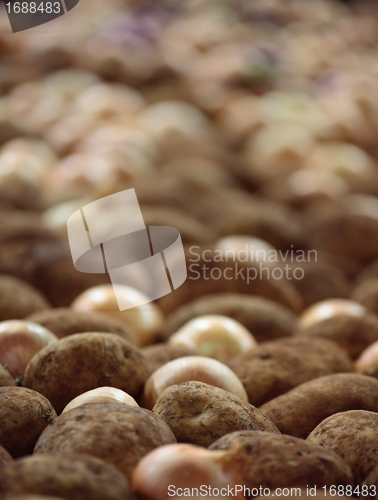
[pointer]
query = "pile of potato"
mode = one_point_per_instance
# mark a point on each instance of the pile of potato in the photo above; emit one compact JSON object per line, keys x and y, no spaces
{"x":239,"y":123}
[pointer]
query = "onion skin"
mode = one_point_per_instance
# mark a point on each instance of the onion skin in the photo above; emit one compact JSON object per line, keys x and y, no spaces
{"x":191,"y":368}
{"x":101,"y":395}
{"x":185,"y":466}
{"x":367,"y":363}
{"x":19,"y":342}
{"x":215,"y":336}
{"x":147,"y":321}
{"x":329,"y":308}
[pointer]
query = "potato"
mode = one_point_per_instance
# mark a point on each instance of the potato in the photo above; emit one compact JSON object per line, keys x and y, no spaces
{"x":119,"y":434}
{"x":321,"y":281}
{"x":71,"y":476}
{"x":200,"y":414}
{"x":265,"y":319}
{"x":273,"y":368}
{"x":157,"y":355}
{"x":354,"y":333}
{"x":367,"y":294}
{"x":24,"y":414}
{"x":275,"y":460}
{"x":300,"y":410}
{"x":65,"y":321}
{"x":18,"y":299}
{"x":82,"y":362}
{"x":6,"y":378}
{"x":352,"y":435}
{"x":207,"y":275}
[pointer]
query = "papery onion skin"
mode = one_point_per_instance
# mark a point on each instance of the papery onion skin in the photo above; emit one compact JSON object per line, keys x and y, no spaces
{"x":20,"y":341}
{"x":329,"y":308}
{"x":367,"y":363}
{"x":191,"y":368}
{"x":101,"y":395}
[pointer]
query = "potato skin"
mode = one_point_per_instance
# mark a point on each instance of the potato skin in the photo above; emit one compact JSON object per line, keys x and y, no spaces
{"x":353,"y":333}
{"x":65,"y":321}
{"x":18,"y":299}
{"x":82,"y":362}
{"x":200,"y":414}
{"x":6,"y":378}
{"x":157,"y":355}
{"x":300,"y":410}
{"x":117,"y":433}
{"x":273,"y":368}
{"x":353,"y":436}
{"x":24,"y":414}
{"x":275,"y":460}
{"x":71,"y":476}
{"x":265,"y":319}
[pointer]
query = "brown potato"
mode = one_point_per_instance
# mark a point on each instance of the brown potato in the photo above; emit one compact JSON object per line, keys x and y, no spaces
{"x":65,"y":321}
{"x":354,"y":333}
{"x":6,"y":378}
{"x":367,"y":294}
{"x":321,"y":281}
{"x":265,"y":319}
{"x":119,"y":434}
{"x":208,"y":275}
{"x":71,"y":476}
{"x":200,"y":414}
{"x":300,"y":410}
{"x":273,"y":368}
{"x":353,"y":436}
{"x":82,"y":362}
{"x":278,"y":461}
{"x":24,"y":414}
{"x":157,"y":355}
{"x":18,"y":299}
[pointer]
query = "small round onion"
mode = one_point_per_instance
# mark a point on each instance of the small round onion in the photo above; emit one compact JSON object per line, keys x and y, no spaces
{"x":215,"y":336}
{"x":20,"y":341}
{"x":101,"y":395}
{"x":367,"y":363}
{"x":245,"y":248}
{"x":191,"y":368}
{"x":183,"y":466}
{"x":328,"y":309}
{"x":146,"y":320}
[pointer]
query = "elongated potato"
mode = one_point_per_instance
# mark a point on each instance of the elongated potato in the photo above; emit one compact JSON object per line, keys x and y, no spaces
{"x":352,"y":435}
{"x":75,"y":477}
{"x":24,"y":414}
{"x":275,"y":460}
{"x":273,"y":368}
{"x":85,"y":361}
{"x":300,"y":410}
{"x":119,"y":434}
{"x":200,"y":414}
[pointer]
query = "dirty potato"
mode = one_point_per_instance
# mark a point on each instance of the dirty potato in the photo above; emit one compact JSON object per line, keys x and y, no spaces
{"x":200,"y":414}
{"x":300,"y":410}
{"x":275,"y":460}
{"x":6,"y":378}
{"x":119,"y":434}
{"x":353,"y":436}
{"x":273,"y":368}
{"x":18,"y":299}
{"x":71,"y":476}
{"x":82,"y":362}
{"x":24,"y":414}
